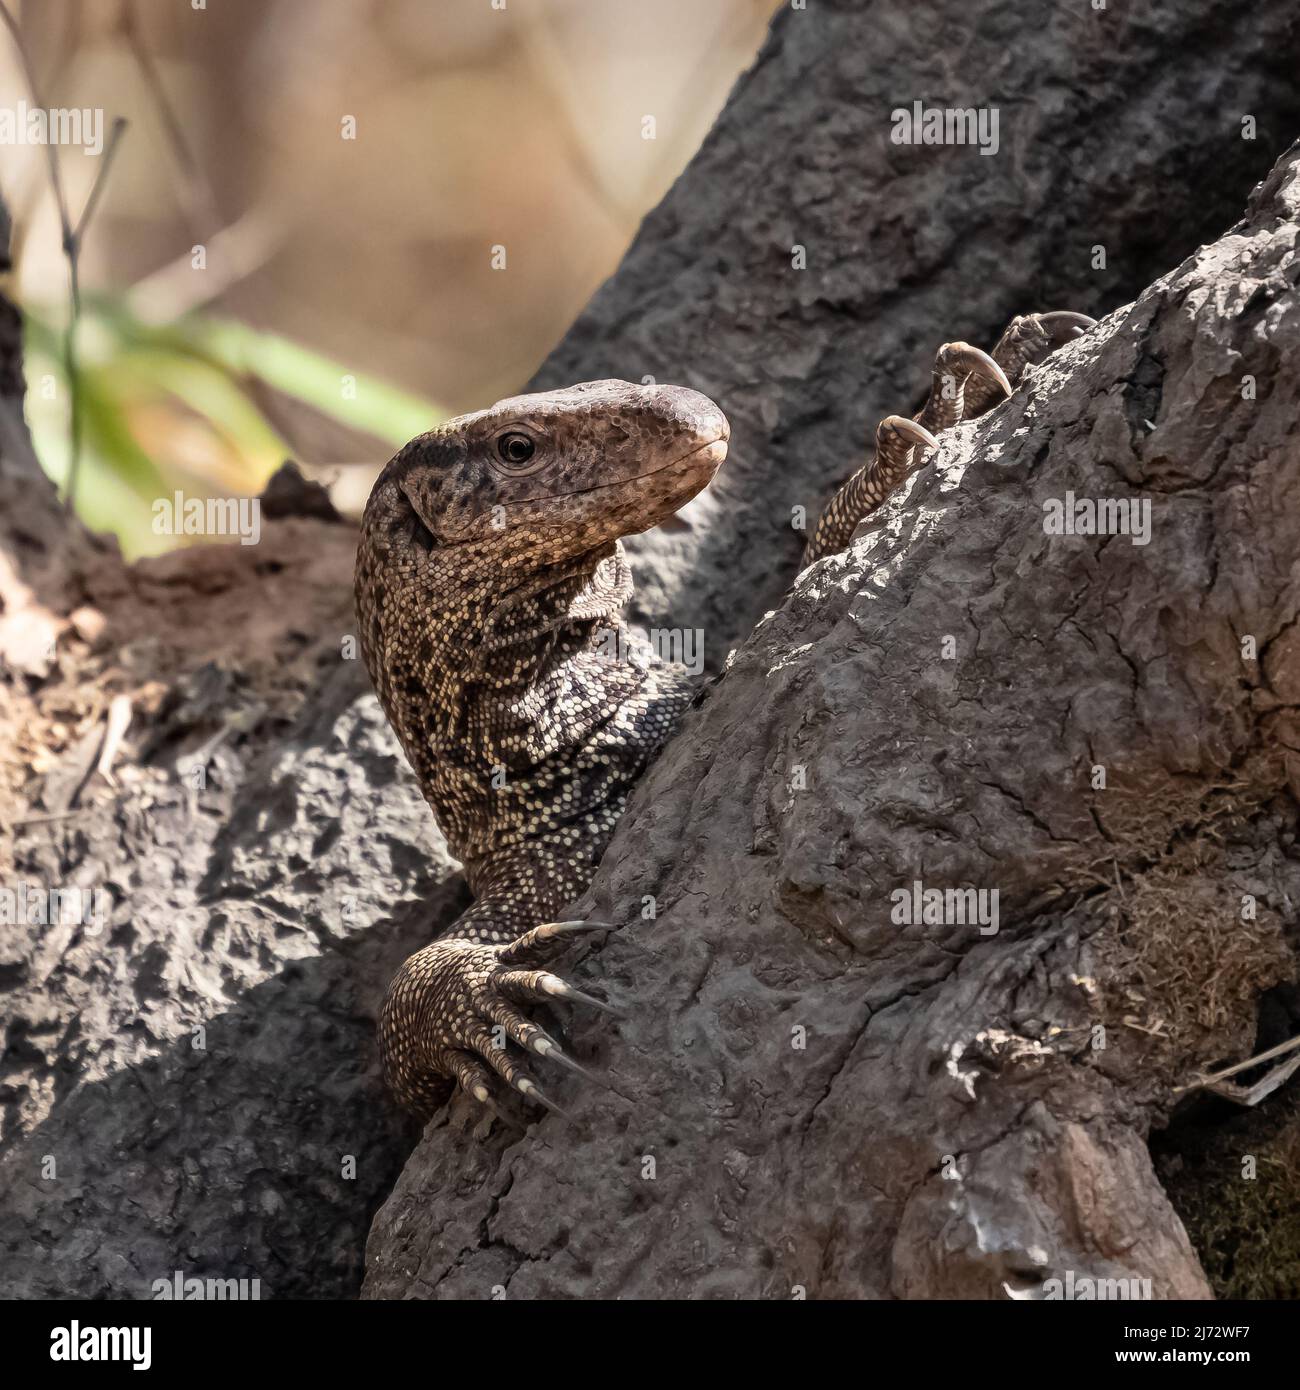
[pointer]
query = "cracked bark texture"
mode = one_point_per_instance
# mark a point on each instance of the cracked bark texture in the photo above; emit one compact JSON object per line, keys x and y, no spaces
{"x":838,"y":1103}
{"x":200,"y":1072}
{"x":193,"y":1086}
{"x":272,"y":908}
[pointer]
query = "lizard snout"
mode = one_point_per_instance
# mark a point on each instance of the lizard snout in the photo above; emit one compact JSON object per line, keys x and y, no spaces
{"x":696,"y":416}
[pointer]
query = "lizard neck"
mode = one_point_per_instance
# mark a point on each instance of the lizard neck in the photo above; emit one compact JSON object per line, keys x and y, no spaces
{"x":499,"y":684}
{"x":547,"y":615}
{"x":493,"y":634}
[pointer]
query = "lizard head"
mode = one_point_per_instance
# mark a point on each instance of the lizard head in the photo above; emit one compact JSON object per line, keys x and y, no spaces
{"x":557,"y":474}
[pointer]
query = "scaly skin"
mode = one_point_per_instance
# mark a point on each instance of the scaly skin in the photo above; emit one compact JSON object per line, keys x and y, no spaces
{"x":489,"y":575}
{"x":486,"y":588}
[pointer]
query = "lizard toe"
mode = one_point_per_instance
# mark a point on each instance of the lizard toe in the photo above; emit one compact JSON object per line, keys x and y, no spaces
{"x":540,"y":986}
{"x":535,"y":1039}
{"x":544,"y":943}
{"x":472,"y":1076}
{"x":509,"y":1070}
{"x":499,"y":1059}
{"x":1031,"y":338}
{"x":964,"y":360}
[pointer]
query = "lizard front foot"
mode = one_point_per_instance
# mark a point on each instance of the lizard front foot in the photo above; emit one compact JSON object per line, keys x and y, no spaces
{"x":453,"y":1005}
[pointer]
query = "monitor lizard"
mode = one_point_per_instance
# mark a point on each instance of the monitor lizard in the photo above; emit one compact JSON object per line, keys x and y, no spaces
{"x":489,"y":575}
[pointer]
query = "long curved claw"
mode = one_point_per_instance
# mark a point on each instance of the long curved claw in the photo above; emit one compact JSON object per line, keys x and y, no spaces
{"x":909,"y":429}
{"x":539,"y":945}
{"x":526,"y":1086}
{"x":547,"y":930}
{"x":524,"y":986}
{"x":547,"y":1047}
{"x":531,"y":1038}
{"x":983,"y":365}
{"x":485,"y":1049}
{"x":1061,"y":325}
{"x":974,"y":360}
{"x":578,"y":996}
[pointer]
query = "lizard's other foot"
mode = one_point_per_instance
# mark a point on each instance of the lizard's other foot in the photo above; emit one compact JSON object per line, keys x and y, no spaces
{"x":452,"y":1009}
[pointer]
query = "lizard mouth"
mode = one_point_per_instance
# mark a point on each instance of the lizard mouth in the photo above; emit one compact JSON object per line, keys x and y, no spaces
{"x":713,"y":452}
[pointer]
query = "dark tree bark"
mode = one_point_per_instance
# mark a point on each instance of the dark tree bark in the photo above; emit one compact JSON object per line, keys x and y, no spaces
{"x":269,"y":908}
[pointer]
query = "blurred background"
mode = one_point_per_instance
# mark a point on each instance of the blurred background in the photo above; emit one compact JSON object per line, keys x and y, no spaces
{"x":328,"y":224}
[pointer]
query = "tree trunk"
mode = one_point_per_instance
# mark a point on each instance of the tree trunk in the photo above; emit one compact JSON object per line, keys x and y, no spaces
{"x":193,"y":1087}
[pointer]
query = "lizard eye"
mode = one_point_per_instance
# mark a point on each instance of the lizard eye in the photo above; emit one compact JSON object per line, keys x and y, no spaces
{"x":515,"y":449}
